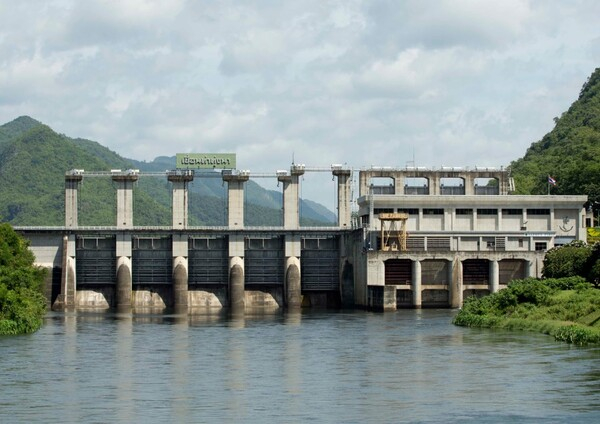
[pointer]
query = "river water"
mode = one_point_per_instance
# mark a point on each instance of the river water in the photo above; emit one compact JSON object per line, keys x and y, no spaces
{"x":313,"y":366}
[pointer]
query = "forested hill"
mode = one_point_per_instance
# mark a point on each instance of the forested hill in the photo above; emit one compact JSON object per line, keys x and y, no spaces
{"x":34,"y":159}
{"x":570,"y":153}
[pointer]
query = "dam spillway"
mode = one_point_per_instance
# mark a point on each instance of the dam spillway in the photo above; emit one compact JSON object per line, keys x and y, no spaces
{"x":408,"y":244}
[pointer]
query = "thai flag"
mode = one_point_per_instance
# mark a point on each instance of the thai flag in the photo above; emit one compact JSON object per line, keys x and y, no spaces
{"x":551,"y":180}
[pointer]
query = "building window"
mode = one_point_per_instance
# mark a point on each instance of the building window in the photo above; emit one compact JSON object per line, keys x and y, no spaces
{"x":377,"y":211}
{"x":540,"y":246}
{"x":512,"y":211}
{"x":538,"y":211}
{"x":364,"y":220}
{"x":433,"y":211}
{"x":409,"y":211}
{"x":487,"y":211}
{"x":464,"y":211}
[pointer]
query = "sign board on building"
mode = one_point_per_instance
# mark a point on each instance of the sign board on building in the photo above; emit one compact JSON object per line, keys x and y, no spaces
{"x":205,"y":160}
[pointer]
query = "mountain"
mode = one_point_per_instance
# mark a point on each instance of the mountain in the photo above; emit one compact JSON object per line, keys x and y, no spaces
{"x":34,"y":159}
{"x":570,"y":153}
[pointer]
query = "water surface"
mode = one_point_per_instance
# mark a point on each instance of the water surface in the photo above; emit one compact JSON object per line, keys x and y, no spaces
{"x":328,"y":366}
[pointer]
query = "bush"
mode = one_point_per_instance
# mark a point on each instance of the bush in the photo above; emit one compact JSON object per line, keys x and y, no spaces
{"x":22,"y":304}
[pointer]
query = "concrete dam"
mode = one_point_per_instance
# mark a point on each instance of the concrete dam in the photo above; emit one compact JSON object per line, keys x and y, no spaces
{"x":415,"y":241}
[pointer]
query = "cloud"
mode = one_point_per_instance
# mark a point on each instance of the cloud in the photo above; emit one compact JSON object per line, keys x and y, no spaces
{"x":361,"y":82}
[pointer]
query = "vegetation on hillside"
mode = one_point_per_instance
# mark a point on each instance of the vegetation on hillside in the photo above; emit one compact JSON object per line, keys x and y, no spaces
{"x":34,"y":159}
{"x":22,"y":304}
{"x":569,"y":153}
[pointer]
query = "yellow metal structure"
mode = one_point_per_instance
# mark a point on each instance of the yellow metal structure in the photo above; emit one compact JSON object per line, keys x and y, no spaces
{"x":393,"y":231}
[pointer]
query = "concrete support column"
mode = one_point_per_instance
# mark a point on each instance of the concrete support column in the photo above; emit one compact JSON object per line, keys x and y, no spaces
{"x":291,"y":205}
{"x":124,"y":271}
{"x":434,"y":185}
{"x":180,"y":272}
{"x":293,"y":296}
{"x":124,"y":282}
{"x":180,"y":180}
{"x":125,"y":182}
{"x":343,"y":196}
{"x":469,"y":184}
{"x":180,"y":284}
{"x":494,"y":284}
{"x":529,"y":269}
{"x":68,"y":283}
{"x":416,"y":284}
{"x":455,"y":283}
{"x":72,"y":182}
{"x":236,"y":284}
{"x":235,"y":197}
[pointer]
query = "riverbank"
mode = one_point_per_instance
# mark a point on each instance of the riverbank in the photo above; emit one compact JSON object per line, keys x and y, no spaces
{"x":567,"y":309}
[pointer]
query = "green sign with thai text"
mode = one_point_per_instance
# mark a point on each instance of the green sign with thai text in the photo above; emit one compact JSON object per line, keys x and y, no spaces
{"x":205,"y":160}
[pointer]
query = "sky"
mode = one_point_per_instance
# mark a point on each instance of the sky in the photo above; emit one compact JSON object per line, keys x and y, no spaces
{"x":363,"y":83}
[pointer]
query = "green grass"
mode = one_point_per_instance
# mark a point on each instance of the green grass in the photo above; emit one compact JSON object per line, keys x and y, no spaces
{"x":571,"y":315}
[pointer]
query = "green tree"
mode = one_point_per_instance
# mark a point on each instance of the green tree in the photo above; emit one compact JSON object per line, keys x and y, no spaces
{"x":22,"y":304}
{"x":567,"y":261}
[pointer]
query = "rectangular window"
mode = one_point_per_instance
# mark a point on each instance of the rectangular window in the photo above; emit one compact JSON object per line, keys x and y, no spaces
{"x":512,"y":211}
{"x":377,"y":211}
{"x":409,"y":211}
{"x":464,"y":211}
{"x":487,"y":211}
{"x":540,"y":246}
{"x":538,"y":211}
{"x":433,"y":211}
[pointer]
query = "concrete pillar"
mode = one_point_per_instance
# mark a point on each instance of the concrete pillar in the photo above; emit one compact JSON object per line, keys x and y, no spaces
{"x":291,"y":205}
{"x":180,"y":271}
{"x":494,"y":283}
{"x":236,"y":284}
{"x":293,"y":295}
{"x":389,"y":298}
{"x":124,"y":271}
{"x":416,"y":284}
{"x":72,"y":182}
{"x":529,"y":269}
{"x":469,"y":184}
{"x":455,"y":283}
{"x":235,"y":197}
{"x":180,"y":284}
{"x":343,"y":196}
{"x":125,"y":182}
{"x":124,"y":282}
{"x":68,"y":283}
{"x":180,"y":180}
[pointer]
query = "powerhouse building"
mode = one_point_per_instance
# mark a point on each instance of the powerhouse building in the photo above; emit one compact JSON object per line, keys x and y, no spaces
{"x":433,"y":237}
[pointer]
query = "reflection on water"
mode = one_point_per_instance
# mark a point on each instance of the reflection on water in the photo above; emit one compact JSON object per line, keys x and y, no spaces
{"x":328,"y":366}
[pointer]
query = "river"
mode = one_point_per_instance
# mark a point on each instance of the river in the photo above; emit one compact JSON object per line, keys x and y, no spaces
{"x":313,"y":366}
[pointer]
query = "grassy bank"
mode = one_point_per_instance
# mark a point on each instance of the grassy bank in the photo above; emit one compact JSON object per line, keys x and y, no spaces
{"x":567,"y":309}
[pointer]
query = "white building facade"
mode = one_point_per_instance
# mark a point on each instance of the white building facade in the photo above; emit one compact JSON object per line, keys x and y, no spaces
{"x":433,"y":237}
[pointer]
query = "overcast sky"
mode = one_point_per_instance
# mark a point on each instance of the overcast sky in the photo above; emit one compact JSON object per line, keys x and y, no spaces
{"x":450,"y":83}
